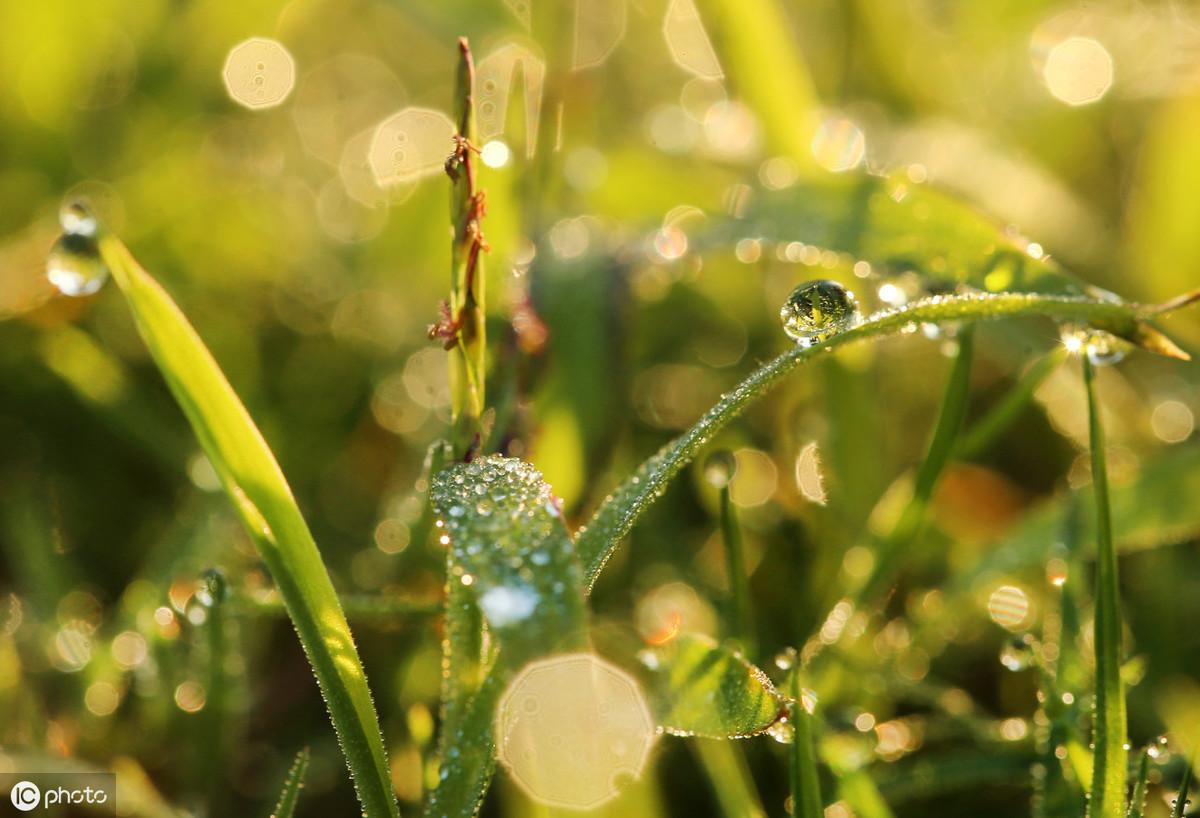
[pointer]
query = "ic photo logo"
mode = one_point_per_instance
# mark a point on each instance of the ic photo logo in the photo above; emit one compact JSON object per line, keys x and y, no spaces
{"x":59,"y":793}
{"x":25,"y":796}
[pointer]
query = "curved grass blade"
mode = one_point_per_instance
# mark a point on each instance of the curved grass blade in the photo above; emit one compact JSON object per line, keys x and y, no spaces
{"x":511,"y":560}
{"x":699,"y":688}
{"x":285,"y":807}
{"x":256,"y":485}
{"x":1110,"y":758}
{"x":616,"y":516}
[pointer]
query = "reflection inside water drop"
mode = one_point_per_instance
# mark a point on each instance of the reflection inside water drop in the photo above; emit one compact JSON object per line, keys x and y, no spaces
{"x":1102,"y":348}
{"x":817,"y":310}
{"x":74,"y":265}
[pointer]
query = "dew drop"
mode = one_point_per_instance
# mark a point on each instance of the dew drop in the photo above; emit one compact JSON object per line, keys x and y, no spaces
{"x":74,"y":265}
{"x":719,"y":468}
{"x":1017,"y":654}
{"x":786,"y":659}
{"x":818,"y":309}
{"x":1102,"y":348}
{"x":1158,"y":749}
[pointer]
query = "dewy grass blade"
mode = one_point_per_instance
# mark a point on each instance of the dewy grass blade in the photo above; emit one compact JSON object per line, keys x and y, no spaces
{"x":290,"y":794}
{"x":1181,"y":800}
{"x":616,"y":516}
{"x":1137,"y":801}
{"x":510,"y":560}
{"x":256,"y":485}
{"x":1110,"y":756}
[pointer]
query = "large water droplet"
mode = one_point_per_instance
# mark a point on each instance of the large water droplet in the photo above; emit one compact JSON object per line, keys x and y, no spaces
{"x":74,"y":265}
{"x":1102,"y":348}
{"x":818,"y":309}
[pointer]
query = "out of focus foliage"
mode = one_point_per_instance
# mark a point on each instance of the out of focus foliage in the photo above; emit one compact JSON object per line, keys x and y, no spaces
{"x":314,"y":287}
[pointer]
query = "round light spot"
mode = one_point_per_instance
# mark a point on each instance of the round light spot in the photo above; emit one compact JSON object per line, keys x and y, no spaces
{"x":1078,"y":70}
{"x":570,"y":728}
{"x":410,"y":144}
{"x":838,"y":144}
{"x":1008,"y":606}
{"x":259,"y":73}
{"x":495,"y":154}
{"x":1172,"y":421}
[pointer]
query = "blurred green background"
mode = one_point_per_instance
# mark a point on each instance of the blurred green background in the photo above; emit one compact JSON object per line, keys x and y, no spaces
{"x":314,"y":287}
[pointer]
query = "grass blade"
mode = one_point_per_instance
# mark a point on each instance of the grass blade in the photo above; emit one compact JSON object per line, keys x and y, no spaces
{"x":511,"y":561}
{"x":256,"y":485}
{"x":1137,"y":801}
{"x":741,"y":625}
{"x":290,"y":794}
{"x":941,"y":448}
{"x":976,"y":439}
{"x":754,"y":42}
{"x":616,"y":516}
{"x":1110,"y":758}
{"x":1181,"y":800}
{"x":802,"y":770}
{"x":699,"y":688}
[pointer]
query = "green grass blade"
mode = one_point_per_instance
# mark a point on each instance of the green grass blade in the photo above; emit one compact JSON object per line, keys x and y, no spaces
{"x":725,"y":767}
{"x":285,"y":807}
{"x":1110,"y":756}
{"x":1155,"y":509}
{"x":981,"y":435}
{"x":741,"y":624}
{"x":256,"y":485}
{"x":511,"y":561}
{"x":802,"y":769}
{"x":756,"y":49}
{"x":1181,"y":800}
{"x":616,"y":516}
{"x":1137,"y":801}
{"x":699,"y":688}
{"x":941,"y":448}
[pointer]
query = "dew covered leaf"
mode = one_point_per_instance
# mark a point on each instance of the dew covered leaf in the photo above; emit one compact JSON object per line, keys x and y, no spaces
{"x":264,"y":502}
{"x":512,"y":561}
{"x":700,"y":688}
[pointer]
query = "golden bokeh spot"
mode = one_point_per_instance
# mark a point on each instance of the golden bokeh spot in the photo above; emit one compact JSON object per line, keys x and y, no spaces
{"x":570,"y":728}
{"x":410,"y":144}
{"x":259,"y":73}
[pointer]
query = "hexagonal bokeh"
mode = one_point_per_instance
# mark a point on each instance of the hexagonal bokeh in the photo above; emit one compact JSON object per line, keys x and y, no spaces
{"x":410,"y":144}
{"x":259,"y":73}
{"x":571,"y":727}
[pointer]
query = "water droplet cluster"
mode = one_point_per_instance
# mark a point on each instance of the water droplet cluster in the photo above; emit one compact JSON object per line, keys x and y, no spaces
{"x":74,"y":265}
{"x":509,"y":545}
{"x":817,"y":310}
